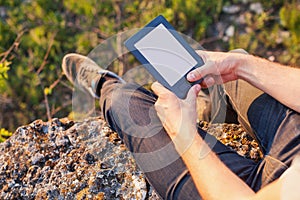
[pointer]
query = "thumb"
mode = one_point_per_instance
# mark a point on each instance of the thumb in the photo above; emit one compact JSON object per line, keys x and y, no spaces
{"x":158,"y":89}
{"x":193,"y":92}
{"x":161,"y":91}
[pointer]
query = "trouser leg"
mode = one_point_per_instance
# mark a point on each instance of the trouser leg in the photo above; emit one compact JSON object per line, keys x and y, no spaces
{"x":275,"y":126}
{"x":278,"y":129}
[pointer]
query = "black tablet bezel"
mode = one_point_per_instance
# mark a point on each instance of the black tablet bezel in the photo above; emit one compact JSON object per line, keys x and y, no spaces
{"x":181,"y":87}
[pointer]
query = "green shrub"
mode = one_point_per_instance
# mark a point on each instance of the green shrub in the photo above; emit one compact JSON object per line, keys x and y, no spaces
{"x":275,"y":32}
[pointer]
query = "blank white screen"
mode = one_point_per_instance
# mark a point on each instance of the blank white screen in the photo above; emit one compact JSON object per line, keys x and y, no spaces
{"x":166,"y":54}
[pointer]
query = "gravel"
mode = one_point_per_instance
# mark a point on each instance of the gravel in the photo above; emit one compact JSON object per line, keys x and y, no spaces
{"x":234,"y":136}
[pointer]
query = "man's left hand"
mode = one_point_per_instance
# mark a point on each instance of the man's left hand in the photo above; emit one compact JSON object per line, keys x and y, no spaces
{"x":178,"y":116}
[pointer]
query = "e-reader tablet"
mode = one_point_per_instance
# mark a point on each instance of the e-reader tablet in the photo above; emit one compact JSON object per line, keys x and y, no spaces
{"x":165,"y":54}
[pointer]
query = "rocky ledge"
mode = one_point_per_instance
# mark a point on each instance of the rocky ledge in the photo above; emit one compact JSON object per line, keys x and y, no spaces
{"x":61,"y":159}
{"x":66,"y":160}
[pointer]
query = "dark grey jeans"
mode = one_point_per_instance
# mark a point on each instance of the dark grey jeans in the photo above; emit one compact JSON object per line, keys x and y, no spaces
{"x":129,"y":111}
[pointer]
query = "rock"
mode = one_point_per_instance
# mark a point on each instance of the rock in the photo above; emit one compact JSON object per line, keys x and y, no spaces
{"x":256,"y":7}
{"x":61,"y":159}
{"x":3,"y":11}
{"x":231,"y":9}
{"x":230,"y":31}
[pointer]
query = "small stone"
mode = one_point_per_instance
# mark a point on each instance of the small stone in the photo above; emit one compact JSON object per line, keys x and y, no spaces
{"x":271,"y":58}
{"x":56,"y":122}
{"x":37,"y":158}
{"x":45,"y":129}
{"x":103,"y":166}
{"x":90,"y":159}
{"x":256,"y":7}
{"x":62,"y":141}
{"x":232,"y":9}
{"x":7,"y":144}
{"x":241,"y":19}
{"x":3,"y":11}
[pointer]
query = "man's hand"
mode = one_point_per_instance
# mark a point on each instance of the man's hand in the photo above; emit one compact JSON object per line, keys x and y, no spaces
{"x":219,"y":67}
{"x":178,"y":116}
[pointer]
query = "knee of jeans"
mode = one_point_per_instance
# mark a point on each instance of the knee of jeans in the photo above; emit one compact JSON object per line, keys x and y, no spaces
{"x":265,"y":115}
{"x":256,"y":112}
{"x":120,"y":97}
{"x":131,"y":107}
{"x":265,"y":108}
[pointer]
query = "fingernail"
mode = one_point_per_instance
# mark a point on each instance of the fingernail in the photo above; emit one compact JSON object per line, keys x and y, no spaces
{"x":191,"y":76}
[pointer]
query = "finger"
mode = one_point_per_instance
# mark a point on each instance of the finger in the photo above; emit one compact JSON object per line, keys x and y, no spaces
{"x":196,"y":88}
{"x":193,"y":92}
{"x":203,"y":54}
{"x":208,"y":82}
{"x":208,"y":68}
{"x":158,"y":89}
{"x":160,"y":111}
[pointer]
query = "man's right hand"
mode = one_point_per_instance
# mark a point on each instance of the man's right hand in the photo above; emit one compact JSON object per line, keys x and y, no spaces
{"x":219,"y":67}
{"x":280,"y":82}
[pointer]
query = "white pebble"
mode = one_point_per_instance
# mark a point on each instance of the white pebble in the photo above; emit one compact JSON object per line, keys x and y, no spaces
{"x":232,"y":9}
{"x":230,"y":31}
{"x":256,"y":7}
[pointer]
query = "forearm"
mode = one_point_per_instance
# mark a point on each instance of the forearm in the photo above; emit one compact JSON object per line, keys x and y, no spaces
{"x":281,"y":82}
{"x":214,"y":180}
{"x":211,"y":177}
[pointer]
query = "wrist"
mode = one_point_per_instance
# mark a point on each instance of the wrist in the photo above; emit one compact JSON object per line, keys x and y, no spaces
{"x":197,"y":149}
{"x":244,"y":67}
{"x":183,"y":140}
